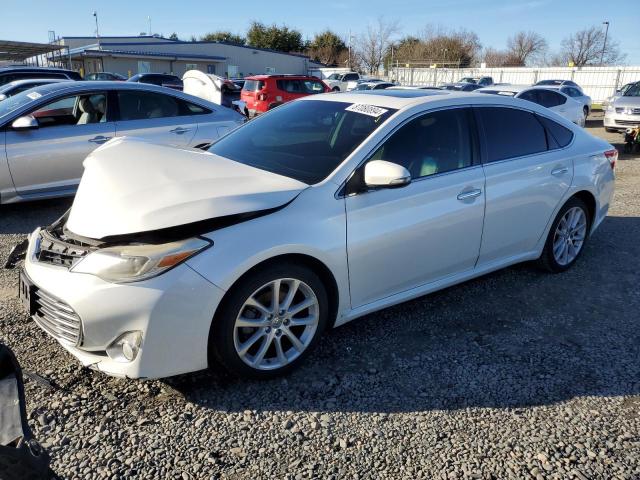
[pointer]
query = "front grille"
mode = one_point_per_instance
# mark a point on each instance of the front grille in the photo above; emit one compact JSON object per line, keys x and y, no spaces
{"x":629,"y":111}
{"x":55,"y":251}
{"x":628,"y":122}
{"x":57,"y":318}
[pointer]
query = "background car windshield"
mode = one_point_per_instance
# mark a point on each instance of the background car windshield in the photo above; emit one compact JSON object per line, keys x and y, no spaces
{"x":305,"y":140}
{"x":633,"y":91}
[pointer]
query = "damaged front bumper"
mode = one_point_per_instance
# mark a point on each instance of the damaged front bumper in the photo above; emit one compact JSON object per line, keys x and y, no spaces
{"x":171,"y":315}
{"x":17,"y":254}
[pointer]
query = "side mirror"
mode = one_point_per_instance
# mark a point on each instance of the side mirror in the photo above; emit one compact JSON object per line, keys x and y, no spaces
{"x":25,"y":123}
{"x":380,"y":173}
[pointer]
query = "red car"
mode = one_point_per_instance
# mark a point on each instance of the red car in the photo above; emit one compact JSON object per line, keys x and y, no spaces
{"x":264,"y":92}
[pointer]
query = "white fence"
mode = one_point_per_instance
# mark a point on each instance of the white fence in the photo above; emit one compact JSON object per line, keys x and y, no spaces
{"x":597,"y":82}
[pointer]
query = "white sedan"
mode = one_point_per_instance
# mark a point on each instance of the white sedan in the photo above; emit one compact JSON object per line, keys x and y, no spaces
{"x":551,"y":98}
{"x":312,"y":215}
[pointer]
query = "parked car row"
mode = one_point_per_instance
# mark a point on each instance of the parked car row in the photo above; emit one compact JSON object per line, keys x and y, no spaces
{"x":50,"y":129}
{"x":316,"y":213}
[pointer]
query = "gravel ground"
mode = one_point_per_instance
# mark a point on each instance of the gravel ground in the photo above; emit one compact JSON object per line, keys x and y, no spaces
{"x":518,"y":374}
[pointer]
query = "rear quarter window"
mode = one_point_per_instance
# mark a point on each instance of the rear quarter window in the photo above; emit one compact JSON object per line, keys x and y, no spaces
{"x":562,"y":136}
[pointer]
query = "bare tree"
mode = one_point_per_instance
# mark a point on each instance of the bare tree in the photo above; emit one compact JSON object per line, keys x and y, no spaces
{"x":372,"y":45}
{"x":525,"y":46}
{"x":499,"y":58}
{"x":587,"y":47}
{"x":436,"y":45}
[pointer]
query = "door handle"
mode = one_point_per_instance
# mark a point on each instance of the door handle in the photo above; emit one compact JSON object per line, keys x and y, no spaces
{"x":469,"y":194}
{"x":559,"y":171}
{"x":179,"y":130}
{"x":100,"y":139}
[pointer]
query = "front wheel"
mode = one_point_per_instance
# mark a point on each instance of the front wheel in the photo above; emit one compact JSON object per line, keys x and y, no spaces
{"x":567,"y":237}
{"x":270,"y":321}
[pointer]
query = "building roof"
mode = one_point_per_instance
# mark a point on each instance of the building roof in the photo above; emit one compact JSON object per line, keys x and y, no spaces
{"x":166,"y":41}
{"x":95,"y":50}
{"x":19,"y":51}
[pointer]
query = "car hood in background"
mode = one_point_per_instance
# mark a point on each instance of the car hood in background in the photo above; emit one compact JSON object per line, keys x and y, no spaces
{"x":627,"y":102}
{"x":130,"y":187}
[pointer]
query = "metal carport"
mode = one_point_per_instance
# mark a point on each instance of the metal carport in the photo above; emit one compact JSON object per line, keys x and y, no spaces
{"x":39,"y":54}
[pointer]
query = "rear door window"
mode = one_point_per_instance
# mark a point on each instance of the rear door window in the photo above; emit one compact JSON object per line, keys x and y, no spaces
{"x":550,"y":99}
{"x":511,"y":133}
{"x":134,"y":105}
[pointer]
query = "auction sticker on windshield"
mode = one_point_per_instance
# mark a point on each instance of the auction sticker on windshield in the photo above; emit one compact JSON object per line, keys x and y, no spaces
{"x":365,"y":109}
{"x":34,"y":95}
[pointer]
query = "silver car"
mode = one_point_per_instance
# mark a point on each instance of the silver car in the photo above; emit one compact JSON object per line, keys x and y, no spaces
{"x":46,"y":132}
{"x":624,"y":111}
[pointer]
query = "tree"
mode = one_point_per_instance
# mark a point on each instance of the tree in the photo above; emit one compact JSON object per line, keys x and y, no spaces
{"x":173,"y":36}
{"x":282,"y":38}
{"x":373,"y":45}
{"x":223,"y":36}
{"x":587,"y":47}
{"x":328,"y":48}
{"x":440,"y":46}
{"x":525,"y":46}
{"x":497,"y":58}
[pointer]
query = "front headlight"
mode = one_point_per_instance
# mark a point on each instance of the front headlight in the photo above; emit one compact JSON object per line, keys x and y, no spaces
{"x":610,"y":108}
{"x":132,"y":263}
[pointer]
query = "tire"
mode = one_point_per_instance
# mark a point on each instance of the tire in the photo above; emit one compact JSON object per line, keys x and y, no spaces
{"x":610,"y":130}
{"x":335,"y":89}
{"x":585,"y":110}
{"x":227,"y":339}
{"x":555,"y":261}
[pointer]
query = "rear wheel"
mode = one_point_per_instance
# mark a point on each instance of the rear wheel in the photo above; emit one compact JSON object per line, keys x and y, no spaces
{"x":270,"y":321}
{"x":336,"y":89}
{"x":567,"y":237}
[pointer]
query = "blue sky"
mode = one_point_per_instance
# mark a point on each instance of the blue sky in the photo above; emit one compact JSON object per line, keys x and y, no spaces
{"x":494,"y":21}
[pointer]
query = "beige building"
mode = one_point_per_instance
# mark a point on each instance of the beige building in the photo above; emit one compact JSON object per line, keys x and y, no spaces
{"x":131,"y":55}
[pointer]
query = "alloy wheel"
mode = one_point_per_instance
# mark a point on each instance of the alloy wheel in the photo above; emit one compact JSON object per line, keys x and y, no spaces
{"x":276,"y":324}
{"x":569,"y":236}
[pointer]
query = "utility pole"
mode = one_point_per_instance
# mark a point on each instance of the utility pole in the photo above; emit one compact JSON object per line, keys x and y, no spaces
{"x":95,"y":15}
{"x":149,"y":20}
{"x":604,"y":44}
{"x":349,"y":61}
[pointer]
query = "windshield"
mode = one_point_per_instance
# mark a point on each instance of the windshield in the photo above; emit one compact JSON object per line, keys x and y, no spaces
{"x":632,"y":91}
{"x":305,"y":140}
{"x":468,"y":80}
{"x":16,"y":101}
{"x":334,"y":76}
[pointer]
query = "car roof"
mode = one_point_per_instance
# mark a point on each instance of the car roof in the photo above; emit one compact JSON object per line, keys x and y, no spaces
{"x":84,"y":85}
{"x":504,"y":88}
{"x":404,"y":99}
{"x":40,"y":81}
{"x":19,"y":68}
{"x":292,"y":76}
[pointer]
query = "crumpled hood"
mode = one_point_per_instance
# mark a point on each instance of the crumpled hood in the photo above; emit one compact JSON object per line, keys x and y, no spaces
{"x":131,"y":186}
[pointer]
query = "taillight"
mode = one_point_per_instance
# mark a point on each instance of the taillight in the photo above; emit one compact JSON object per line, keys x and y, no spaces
{"x":612,"y":156}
